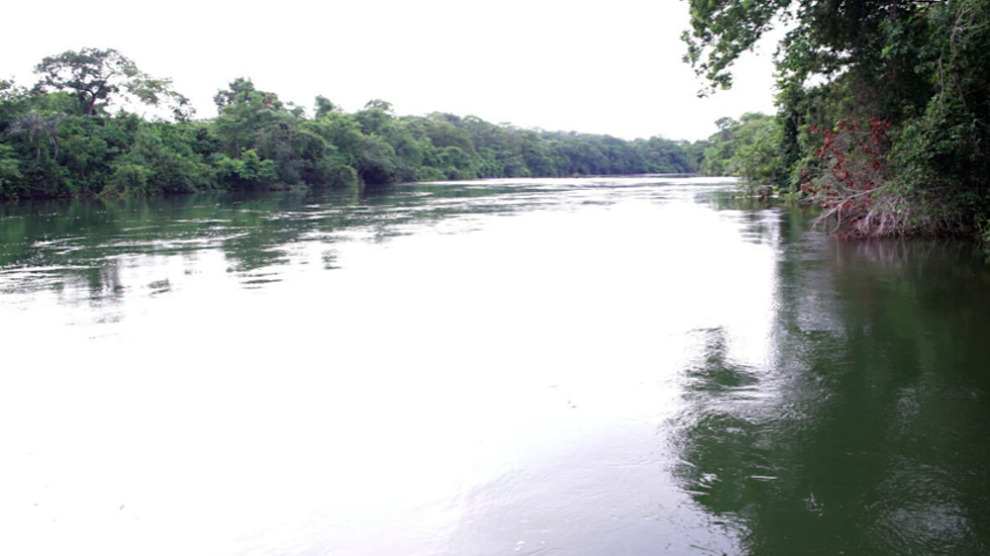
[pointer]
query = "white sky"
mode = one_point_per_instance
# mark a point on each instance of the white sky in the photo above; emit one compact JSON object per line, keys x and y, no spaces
{"x":604,"y":67}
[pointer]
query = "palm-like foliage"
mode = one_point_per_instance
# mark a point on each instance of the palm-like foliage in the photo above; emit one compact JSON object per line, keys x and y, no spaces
{"x":37,"y":128}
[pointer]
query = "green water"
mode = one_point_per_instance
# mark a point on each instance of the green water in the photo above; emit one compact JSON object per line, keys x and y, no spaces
{"x":577,"y":367}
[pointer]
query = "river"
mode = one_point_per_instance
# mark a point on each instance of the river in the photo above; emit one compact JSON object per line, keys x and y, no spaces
{"x":583,"y":367}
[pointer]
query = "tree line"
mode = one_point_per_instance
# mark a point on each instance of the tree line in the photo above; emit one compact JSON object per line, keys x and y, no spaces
{"x":883,"y":108}
{"x":71,"y":134}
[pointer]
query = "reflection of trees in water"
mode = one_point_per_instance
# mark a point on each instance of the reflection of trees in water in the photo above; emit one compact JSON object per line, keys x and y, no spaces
{"x":867,"y":431}
{"x":78,"y":246}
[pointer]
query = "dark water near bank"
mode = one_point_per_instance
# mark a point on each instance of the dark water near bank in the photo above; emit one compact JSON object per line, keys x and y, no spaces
{"x":570,"y":367}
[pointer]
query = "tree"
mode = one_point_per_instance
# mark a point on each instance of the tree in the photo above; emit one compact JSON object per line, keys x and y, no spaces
{"x":865,"y":85}
{"x":38,"y":128}
{"x":9,"y":167}
{"x":742,"y":148}
{"x":96,"y":75}
{"x":244,"y":112}
{"x":324,"y":106}
{"x":375,"y":117}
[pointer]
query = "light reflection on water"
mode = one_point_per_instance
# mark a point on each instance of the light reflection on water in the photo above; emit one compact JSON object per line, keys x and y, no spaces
{"x":628,"y":366}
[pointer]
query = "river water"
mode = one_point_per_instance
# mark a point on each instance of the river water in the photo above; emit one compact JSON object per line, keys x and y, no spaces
{"x":572,"y":367}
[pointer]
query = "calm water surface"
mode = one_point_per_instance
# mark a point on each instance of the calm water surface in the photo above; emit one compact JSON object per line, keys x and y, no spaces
{"x":570,"y":367}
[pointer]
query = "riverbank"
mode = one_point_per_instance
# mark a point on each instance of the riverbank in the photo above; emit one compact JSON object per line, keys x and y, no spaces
{"x":56,"y":141}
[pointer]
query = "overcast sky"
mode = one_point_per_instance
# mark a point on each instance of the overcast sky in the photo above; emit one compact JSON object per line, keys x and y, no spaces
{"x":604,"y":67}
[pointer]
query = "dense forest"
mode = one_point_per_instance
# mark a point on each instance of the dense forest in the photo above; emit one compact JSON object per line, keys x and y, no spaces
{"x":883,"y":120}
{"x":883,"y":108}
{"x":69,"y":135}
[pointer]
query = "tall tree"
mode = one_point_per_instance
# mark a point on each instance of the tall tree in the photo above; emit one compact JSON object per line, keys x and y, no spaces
{"x":95,"y":75}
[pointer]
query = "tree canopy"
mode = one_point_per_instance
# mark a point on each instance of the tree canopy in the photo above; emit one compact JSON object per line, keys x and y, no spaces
{"x":95,"y":75}
{"x":883,"y":105}
{"x":60,"y":138}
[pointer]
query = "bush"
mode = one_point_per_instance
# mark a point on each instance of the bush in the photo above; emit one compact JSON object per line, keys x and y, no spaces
{"x":127,"y":179}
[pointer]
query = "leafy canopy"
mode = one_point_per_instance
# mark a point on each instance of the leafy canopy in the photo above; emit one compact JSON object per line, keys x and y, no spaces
{"x":96,"y":75}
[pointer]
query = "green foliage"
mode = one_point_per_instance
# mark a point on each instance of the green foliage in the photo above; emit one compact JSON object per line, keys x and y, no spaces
{"x":95,"y":75}
{"x":171,"y":164}
{"x":376,"y":116}
{"x":921,"y":68}
{"x":342,"y":176}
{"x":247,"y":172}
{"x":10,"y":170}
{"x":721,"y":30}
{"x":745,"y":148}
{"x":983,"y":229}
{"x":59,"y":139}
{"x":323,"y":106}
{"x":127,"y":179}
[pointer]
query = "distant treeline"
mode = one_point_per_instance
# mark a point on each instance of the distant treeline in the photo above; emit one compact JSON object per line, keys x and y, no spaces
{"x":60,"y":138}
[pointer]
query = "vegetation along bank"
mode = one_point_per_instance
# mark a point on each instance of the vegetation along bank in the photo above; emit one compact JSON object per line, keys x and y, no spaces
{"x":883,"y":121}
{"x":883,"y":108}
{"x":68,"y":136}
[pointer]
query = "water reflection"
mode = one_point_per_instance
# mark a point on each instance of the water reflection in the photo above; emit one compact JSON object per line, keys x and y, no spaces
{"x":81,"y":249}
{"x":632,"y":366}
{"x":865,"y":431}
